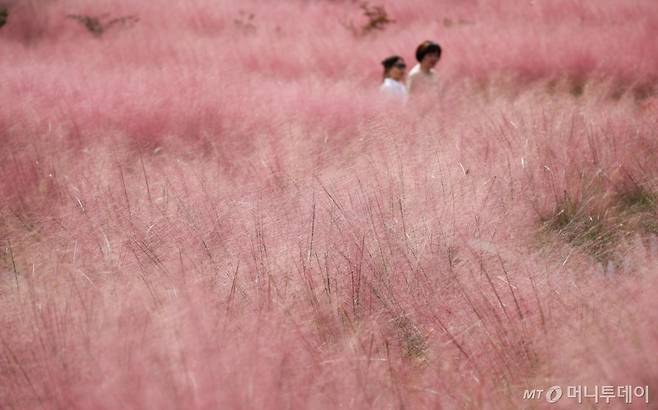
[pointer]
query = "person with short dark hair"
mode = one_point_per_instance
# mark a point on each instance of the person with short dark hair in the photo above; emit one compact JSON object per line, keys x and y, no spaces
{"x":423,"y":75}
{"x":4,"y":14}
{"x":394,"y":72}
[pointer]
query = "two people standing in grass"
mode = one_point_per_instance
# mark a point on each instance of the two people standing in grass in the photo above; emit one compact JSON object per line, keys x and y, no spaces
{"x":421,"y":78}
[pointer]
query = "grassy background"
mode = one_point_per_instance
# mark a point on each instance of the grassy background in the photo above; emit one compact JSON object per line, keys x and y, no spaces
{"x":206,"y":205}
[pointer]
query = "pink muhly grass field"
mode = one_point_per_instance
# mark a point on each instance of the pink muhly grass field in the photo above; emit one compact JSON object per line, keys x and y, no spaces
{"x":206,"y":205}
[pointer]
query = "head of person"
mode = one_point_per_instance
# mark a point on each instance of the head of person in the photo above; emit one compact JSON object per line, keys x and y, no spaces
{"x":428,"y":54}
{"x":394,"y":68}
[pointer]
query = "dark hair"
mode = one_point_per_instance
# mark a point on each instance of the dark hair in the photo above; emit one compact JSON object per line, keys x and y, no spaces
{"x":389,"y":63}
{"x":427,"y":47}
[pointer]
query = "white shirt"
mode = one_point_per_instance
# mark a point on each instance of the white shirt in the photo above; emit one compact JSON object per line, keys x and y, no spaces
{"x":419,"y":79}
{"x":394,"y":89}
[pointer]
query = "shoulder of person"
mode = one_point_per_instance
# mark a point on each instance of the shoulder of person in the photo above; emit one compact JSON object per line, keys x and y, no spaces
{"x":388,"y":84}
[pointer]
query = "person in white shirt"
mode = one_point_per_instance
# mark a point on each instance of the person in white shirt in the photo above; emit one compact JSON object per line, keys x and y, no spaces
{"x":423,"y":77}
{"x":394,"y":71}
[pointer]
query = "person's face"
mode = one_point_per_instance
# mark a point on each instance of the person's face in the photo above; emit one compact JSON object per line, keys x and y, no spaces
{"x":398,"y":71}
{"x":430,"y":60}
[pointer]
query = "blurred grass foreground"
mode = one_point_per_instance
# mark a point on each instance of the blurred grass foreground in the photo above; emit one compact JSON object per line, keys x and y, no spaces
{"x":207,"y":205}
